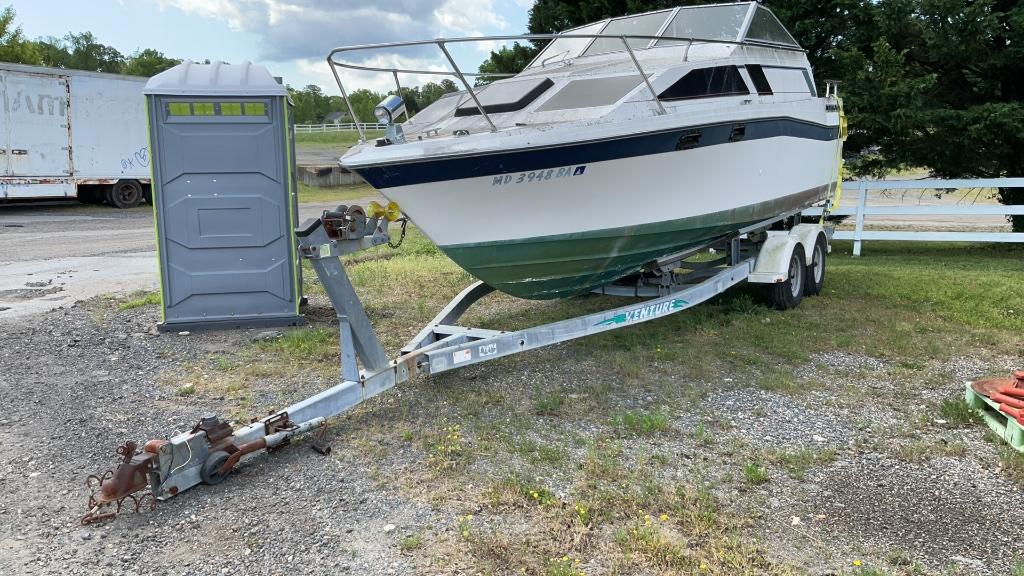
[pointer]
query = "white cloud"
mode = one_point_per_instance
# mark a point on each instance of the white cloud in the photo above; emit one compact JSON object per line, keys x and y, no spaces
{"x":302,"y":32}
{"x":466,"y":17}
{"x":293,"y":29}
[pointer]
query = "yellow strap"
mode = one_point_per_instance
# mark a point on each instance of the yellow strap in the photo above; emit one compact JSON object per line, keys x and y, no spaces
{"x":843,"y":131}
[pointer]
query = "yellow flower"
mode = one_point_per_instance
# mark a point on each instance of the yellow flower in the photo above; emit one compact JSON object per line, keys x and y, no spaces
{"x":469,"y":516}
{"x":663,"y":517}
{"x":856,"y":562}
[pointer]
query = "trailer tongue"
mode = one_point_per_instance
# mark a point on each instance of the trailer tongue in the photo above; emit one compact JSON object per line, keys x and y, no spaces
{"x":790,"y":261}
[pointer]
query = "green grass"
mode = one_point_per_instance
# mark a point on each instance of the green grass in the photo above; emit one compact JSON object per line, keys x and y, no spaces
{"x":640,"y":423}
{"x":956,"y":411}
{"x":338,"y":194}
{"x":754,"y":474}
{"x":345,"y":139}
{"x":797,"y":463}
{"x":139,"y":299}
{"x":410,"y":543}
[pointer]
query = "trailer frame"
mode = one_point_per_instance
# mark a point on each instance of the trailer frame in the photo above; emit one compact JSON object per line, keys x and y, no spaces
{"x":761,"y":253}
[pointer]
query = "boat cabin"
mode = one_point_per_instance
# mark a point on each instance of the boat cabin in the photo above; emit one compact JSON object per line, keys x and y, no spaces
{"x":668,"y":61}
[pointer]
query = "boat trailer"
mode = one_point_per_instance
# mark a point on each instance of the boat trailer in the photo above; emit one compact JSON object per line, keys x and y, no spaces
{"x":791,"y":260}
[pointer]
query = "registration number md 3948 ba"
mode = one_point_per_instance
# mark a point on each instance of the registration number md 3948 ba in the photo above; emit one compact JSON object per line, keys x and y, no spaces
{"x":538,"y":175}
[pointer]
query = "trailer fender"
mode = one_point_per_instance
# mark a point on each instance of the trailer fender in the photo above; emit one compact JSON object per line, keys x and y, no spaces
{"x":772,"y":263}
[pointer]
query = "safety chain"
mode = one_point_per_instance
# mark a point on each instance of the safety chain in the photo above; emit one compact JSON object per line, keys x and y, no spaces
{"x":401,"y":237}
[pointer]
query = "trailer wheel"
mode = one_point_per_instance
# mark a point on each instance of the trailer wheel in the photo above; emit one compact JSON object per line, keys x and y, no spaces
{"x":788,"y":294}
{"x":816,"y":268}
{"x":124,"y":194}
{"x":210,"y":472}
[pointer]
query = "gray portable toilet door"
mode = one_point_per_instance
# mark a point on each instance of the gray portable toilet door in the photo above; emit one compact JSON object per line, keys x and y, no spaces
{"x":226,"y":221}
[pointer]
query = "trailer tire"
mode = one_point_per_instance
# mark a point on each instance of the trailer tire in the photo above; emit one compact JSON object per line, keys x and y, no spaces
{"x":210,"y":472}
{"x":815,"y":279}
{"x":124,"y":194}
{"x":790,"y":292}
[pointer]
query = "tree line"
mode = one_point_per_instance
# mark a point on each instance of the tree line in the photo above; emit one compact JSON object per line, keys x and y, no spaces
{"x":937,"y":84}
{"x":312,"y":106}
{"x":76,"y":51}
{"x":84,"y":51}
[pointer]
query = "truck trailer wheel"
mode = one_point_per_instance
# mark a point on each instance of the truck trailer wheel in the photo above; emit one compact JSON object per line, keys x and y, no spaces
{"x":816,"y":267}
{"x":788,"y":294}
{"x":124,"y":194}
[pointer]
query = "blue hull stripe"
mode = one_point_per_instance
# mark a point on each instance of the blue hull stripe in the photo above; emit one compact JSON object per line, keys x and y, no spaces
{"x":526,"y":159}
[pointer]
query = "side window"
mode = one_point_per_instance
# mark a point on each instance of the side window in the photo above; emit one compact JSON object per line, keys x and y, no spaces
{"x":706,"y":82}
{"x":233,"y":109}
{"x":759,"y":79}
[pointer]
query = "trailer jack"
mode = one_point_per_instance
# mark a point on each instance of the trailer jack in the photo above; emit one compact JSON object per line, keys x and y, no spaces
{"x":213,"y":448}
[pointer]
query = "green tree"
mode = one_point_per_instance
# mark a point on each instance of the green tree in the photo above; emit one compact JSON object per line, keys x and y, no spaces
{"x":148,"y":62}
{"x":53,"y":52}
{"x":13,"y":45}
{"x":506,"y":61}
{"x":363,"y":102}
{"x":87,"y":53}
{"x":311,"y":104}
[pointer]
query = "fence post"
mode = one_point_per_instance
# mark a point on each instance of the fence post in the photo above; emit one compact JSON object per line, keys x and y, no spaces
{"x":858,"y":232}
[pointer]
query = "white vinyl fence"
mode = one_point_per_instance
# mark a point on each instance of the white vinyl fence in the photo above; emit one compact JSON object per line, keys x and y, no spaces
{"x":350,"y":127}
{"x":862,"y":210}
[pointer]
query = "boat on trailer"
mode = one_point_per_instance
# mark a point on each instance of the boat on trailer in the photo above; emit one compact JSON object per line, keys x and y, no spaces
{"x":623,"y":141}
{"x":609,"y":189}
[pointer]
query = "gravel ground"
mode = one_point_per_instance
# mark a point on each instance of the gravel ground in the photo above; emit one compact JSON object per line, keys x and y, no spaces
{"x":73,"y":388}
{"x":78,"y":381}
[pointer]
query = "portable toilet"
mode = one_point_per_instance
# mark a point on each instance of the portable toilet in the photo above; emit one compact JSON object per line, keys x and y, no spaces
{"x":224,"y":197}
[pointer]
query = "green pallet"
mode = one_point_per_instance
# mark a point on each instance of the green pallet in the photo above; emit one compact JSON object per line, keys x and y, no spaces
{"x":1002,"y":424}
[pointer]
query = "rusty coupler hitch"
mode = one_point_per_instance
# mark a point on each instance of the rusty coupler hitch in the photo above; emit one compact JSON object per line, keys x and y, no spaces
{"x":204,"y":455}
{"x":109,"y":491}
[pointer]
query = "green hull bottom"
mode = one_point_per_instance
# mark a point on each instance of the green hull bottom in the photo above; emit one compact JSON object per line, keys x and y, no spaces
{"x":563,"y":265}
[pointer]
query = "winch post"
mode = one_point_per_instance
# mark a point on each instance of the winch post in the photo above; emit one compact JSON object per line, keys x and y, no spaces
{"x":356,"y":334}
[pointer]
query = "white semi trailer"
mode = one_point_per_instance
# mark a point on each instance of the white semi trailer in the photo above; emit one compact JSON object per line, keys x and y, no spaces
{"x":73,"y":134}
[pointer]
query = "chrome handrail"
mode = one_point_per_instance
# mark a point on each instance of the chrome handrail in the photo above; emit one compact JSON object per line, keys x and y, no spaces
{"x":442,"y":43}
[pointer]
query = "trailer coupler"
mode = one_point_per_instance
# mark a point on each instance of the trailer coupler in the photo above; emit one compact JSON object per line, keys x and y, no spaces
{"x":206,"y":454}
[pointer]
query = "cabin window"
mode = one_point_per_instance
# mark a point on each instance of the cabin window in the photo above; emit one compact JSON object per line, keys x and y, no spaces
{"x":505,"y":96}
{"x":589,"y":92}
{"x":789,"y":80}
{"x":759,"y":79}
{"x":765,"y":27}
{"x":705,"y":82}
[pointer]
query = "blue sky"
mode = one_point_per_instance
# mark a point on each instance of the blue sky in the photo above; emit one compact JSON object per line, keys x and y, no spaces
{"x":290,"y":37}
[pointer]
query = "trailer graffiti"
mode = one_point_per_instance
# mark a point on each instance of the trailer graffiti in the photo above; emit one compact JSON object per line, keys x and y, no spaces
{"x":140,"y":159}
{"x":43,"y":104}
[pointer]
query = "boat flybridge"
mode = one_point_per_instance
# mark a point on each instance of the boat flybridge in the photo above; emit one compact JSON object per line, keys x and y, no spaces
{"x":625,"y":147}
{"x":622,"y":141}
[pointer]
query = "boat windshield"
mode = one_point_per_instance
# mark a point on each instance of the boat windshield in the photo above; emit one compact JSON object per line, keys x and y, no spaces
{"x":716,"y":22}
{"x":722,"y":22}
{"x":641,"y":25}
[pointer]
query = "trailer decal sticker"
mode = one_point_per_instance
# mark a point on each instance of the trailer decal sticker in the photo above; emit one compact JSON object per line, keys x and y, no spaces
{"x":462,"y":356}
{"x":644,"y":312}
